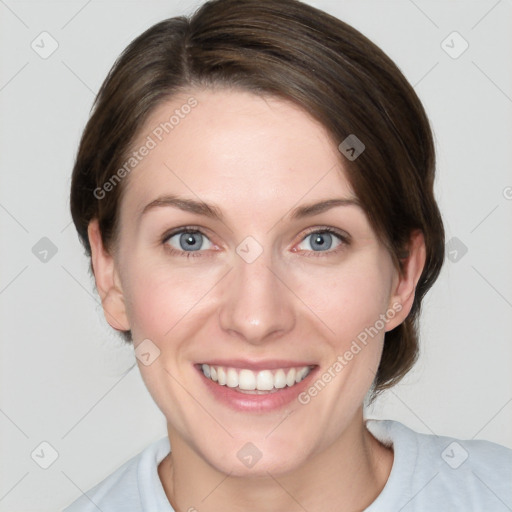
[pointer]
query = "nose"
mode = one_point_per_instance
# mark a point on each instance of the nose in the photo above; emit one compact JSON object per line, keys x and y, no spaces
{"x":256,"y":305}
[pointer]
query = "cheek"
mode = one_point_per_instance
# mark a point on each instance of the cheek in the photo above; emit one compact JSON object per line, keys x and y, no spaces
{"x":349,"y":297}
{"x":160,"y":296}
{"x":163,"y":297}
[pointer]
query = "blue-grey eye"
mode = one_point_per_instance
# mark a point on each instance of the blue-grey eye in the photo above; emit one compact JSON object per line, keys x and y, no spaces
{"x":189,"y":241}
{"x":320,"y":241}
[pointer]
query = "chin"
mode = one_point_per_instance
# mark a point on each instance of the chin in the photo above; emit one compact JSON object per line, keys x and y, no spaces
{"x":243,"y":458}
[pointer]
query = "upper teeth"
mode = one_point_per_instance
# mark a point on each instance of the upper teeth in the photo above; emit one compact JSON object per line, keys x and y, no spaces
{"x":264,"y":380}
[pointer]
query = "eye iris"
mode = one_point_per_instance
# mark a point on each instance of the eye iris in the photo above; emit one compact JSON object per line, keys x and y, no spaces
{"x":190,"y":241}
{"x":321,"y":241}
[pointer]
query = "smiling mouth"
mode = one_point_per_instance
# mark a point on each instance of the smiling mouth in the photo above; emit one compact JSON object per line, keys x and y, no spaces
{"x":255,"y":382}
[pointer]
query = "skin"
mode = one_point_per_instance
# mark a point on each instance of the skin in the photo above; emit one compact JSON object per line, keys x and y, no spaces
{"x":255,"y":159}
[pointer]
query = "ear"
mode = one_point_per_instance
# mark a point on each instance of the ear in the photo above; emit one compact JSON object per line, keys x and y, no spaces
{"x":107,"y":280}
{"x":404,"y":284}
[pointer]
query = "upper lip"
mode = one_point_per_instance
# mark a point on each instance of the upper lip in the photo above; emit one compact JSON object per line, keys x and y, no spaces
{"x":254,"y":365}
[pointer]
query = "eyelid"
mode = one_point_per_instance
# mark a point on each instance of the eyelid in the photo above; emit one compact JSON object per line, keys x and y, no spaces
{"x":183,"y":229}
{"x":344,"y":237}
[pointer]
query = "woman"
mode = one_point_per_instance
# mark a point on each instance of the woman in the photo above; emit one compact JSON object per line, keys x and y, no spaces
{"x":255,"y":191}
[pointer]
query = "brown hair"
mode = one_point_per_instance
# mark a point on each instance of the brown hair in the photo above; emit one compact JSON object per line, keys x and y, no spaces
{"x":287,"y":49}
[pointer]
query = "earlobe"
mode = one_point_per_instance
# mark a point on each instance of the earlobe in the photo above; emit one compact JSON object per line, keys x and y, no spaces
{"x":107,"y":284}
{"x":405,"y":286}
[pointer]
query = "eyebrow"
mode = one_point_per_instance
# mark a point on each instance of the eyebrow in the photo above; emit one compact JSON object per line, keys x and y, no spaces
{"x":214,"y":212}
{"x":187,"y":205}
{"x":322,"y":206}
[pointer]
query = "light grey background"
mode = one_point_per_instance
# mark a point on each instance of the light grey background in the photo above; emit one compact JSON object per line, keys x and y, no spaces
{"x":65,"y":376}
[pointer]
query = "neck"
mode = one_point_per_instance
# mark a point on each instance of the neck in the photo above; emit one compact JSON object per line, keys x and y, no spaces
{"x":346,"y":477}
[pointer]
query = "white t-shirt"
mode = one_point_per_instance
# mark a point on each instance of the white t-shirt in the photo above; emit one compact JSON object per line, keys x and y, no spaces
{"x":429,"y":473}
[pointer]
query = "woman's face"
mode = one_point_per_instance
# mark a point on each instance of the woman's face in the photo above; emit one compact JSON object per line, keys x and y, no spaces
{"x":280,"y":278}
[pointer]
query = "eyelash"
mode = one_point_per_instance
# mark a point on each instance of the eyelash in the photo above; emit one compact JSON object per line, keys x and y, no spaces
{"x":344,"y":239}
{"x":179,"y":231}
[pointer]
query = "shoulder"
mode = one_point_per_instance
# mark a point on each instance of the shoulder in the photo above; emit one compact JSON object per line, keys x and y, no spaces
{"x":434,"y":472}
{"x":131,"y":487}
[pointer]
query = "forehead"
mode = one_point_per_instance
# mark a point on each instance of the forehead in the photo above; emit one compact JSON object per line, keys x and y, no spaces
{"x":236,"y":149}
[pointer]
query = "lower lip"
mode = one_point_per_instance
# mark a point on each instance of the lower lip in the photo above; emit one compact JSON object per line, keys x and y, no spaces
{"x":256,"y":403}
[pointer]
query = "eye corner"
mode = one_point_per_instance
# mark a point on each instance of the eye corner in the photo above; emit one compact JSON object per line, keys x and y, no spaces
{"x":343,"y":238}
